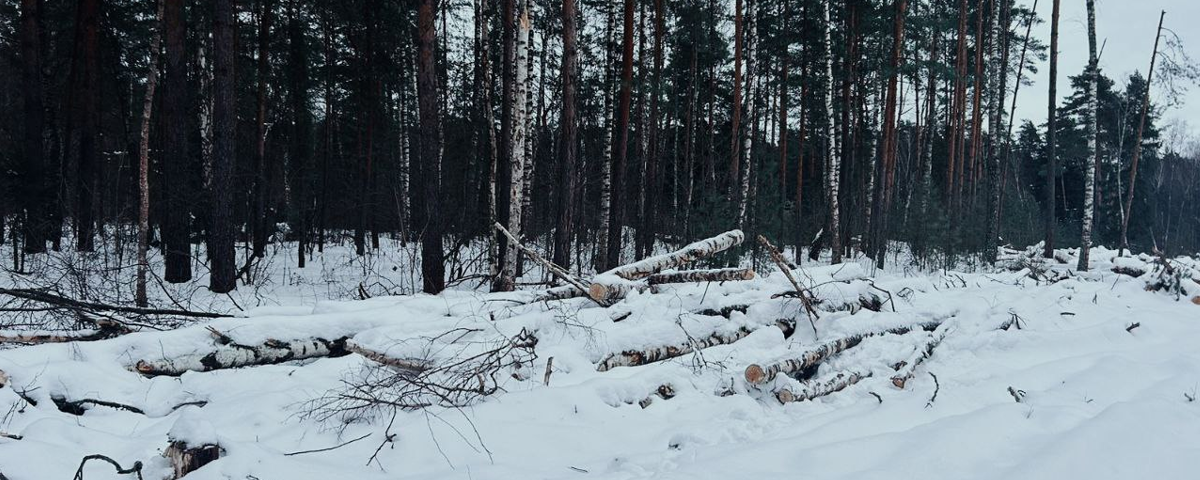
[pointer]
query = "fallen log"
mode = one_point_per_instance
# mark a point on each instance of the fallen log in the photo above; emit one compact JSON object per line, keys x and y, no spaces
{"x":401,"y":365}
{"x":906,"y":369}
{"x":665,"y":391}
{"x":78,"y":407}
{"x":821,"y":388}
{"x":700,"y":276}
{"x":757,"y":375}
{"x":690,"y":253}
{"x":227,"y":354}
{"x":105,"y":329}
{"x":633,"y":358}
{"x":725,"y":311}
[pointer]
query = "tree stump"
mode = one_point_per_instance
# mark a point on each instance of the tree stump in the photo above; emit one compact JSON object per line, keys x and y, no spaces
{"x":186,"y":459}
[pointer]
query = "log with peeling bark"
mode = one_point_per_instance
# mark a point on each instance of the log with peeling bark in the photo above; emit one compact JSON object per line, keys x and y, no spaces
{"x":227,"y":354}
{"x":699,"y":276}
{"x":705,"y":248}
{"x":757,"y":374}
{"x":633,"y":358}
{"x":821,"y":388}
{"x":186,"y":458}
{"x":402,"y":365}
{"x":105,"y":329}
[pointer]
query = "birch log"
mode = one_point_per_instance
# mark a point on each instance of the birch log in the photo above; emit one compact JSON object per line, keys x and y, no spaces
{"x":757,"y":374}
{"x":698,"y":276}
{"x":705,"y":248}
{"x":233,"y":355}
{"x":402,"y":365}
{"x":633,"y":358}
{"x":908,"y":367}
{"x":821,"y":388}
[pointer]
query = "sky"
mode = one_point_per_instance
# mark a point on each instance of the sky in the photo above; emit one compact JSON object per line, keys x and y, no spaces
{"x":1128,"y":26}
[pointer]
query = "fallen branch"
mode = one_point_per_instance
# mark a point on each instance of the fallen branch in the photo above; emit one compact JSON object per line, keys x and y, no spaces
{"x":806,"y":297}
{"x":1132,"y":326}
{"x":233,"y":355}
{"x":757,"y":375}
{"x":937,"y":387}
{"x":76,"y":407}
{"x":633,"y":358}
{"x":326,"y":449}
{"x":819,"y":389}
{"x":106,"y":329}
{"x":725,"y":311}
{"x":555,"y":270}
{"x":908,"y":368}
{"x":10,"y":436}
{"x":46,"y":297}
{"x":135,"y":469}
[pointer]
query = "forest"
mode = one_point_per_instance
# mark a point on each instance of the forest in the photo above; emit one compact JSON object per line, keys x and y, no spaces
{"x":596,"y":129}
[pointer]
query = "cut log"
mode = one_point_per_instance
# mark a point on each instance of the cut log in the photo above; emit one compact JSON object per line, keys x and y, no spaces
{"x":691,"y":253}
{"x":632,"y":358}
{"x":699,"y":276}
{"x":233,"y":355}
{"x":402,"y":365}
{"x":821,"y":388}
{"x":665,"y":391}
{"x":562,"y":293}
{"x":186,"y":459}
{"x":758,"y":375}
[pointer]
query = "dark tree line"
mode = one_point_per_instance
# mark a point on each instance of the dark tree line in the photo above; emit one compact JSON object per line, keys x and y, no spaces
{"x":593,"y":129}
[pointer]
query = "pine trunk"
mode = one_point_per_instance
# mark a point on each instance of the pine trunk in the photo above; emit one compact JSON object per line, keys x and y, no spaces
{"x":143,"y":235}
{"x":176,"y":226}
{"x":566,"y":173}
{"x":222,"y":276}
{"x":432,"y":264}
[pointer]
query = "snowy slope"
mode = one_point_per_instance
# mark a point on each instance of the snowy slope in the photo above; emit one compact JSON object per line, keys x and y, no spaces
{"x":1098,"y":401}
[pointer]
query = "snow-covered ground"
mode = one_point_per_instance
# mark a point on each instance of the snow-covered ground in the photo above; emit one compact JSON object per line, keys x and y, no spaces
{"x":1100,"y":397}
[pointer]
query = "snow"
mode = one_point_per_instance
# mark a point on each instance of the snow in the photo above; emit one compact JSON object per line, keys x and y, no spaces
{"x":1100,"y":401}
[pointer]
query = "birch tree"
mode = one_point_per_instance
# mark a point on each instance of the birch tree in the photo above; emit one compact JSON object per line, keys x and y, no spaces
{"x":516,"y":161}
{"x":1093,"y":152}
{"x":832,"y":154}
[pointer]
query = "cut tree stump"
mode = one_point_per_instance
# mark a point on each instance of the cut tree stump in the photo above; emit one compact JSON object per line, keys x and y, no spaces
{"x":633,"y":358}
{"x":228,"y":354}
{"x":186,"y":459}
{"x":757,"y":375}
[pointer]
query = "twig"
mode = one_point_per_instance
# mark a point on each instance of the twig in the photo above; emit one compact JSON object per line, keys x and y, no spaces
{"x":937,"y":387}
{"x":805,"y":295}
{"x":388,"y":437}
{"x":1018,"y":395}
{"x":13,"y":436}
{"x":1132,"y":326}
{"x":877,"y":397}
{"x":64,"y":302}
{"x":136,"y":469}
{"x":326,"y":449}
{"x":549,"y":369}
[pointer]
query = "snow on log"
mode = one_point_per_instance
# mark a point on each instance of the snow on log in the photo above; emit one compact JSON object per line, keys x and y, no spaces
{"x":691,"y":253}
{"x":665,"y":391}
{"x":633,"y":358}
{"x":907,"y":368}
{"x":561,"y":293}
{"x":186,"y":459}
{"x":757,"y":375}
{"x":699,"y":276}
{"x":821,"y":388}
{"x":609,"y":292}
{"x":232,"y":355}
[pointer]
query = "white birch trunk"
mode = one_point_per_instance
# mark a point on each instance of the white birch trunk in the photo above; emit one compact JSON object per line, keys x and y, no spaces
{"x":606,"y":162}
{"x":747,"y":146}
{"x":833,"y":161}
{"x":517,"y":158}
{"x":143,"y":233}
{"x":530,"y":130}
{"x":1089,"y":189}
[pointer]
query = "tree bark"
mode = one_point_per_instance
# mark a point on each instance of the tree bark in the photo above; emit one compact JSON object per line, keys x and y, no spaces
{"x":176,"y":226}
{"x":432,"y":257}
{"x":832,"y":155}
{"x":266,"y":16}
{"x":1137,"y":146}
{"x":143,"y":235}
{"x":633,"y":358}
{"x":227,"y":354}
{"x":566,"y":174}
{"x":1051,"y":140}
{"x":616,"y":223}
{"x":34,"y":186}
{"x":222,"y":273}
{"x":85,"y":76}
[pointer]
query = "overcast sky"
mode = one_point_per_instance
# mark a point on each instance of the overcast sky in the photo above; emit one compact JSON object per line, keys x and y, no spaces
{"x":1128,"y":26}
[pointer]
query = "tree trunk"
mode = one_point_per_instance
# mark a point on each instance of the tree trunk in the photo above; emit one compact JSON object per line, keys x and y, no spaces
{"x":998,"y":86}
{"x":746,"y":147}
{"x":35,"y":194}
{"x":222,"y":276}
{"x":606,"y":167}
{"x":736,"y":117}
{"x":566,"y":173}
{"x":616,"y":222}
{"x":176,"y":225}
{"x":1093,"y":158}
{"x":432,"y":264}
{"x":1051,"y":134}
{"x":86,"y":93}
{"x":227,"y":354}
{"x":832,"y":155}
{"x":517,"y":158}
{"x":889,"y":134}
{"x":143,"y":235}
{"x":1137,"y":146}
{"x":266,"y":16}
